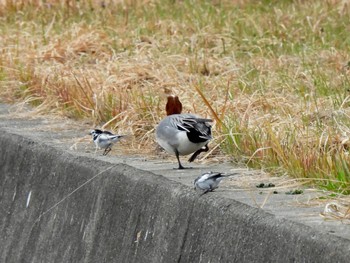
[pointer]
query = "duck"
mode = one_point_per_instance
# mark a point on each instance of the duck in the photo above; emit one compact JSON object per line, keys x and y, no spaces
{"x":183,"y":134}
{"x":104,"y":139}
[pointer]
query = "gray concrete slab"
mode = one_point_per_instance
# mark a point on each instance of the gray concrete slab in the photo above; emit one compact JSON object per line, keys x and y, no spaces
{"x":257,"y":215}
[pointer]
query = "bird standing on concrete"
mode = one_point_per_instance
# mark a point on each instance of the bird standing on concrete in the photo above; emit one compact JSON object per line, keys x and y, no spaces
{"x":104,"y":139}
{"x":209,"y":181}
{"x":183,"y":134}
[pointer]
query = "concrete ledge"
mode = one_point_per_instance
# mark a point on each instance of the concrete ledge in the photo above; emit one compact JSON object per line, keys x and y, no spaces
{"x":129,"y":215}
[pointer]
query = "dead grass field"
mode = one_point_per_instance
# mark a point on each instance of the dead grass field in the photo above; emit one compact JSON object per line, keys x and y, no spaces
{"x":273,"y":74}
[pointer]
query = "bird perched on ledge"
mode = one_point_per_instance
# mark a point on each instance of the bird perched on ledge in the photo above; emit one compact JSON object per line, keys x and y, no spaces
{"x":104,"y":139}
{"x":209,"y":181}
{"x":183,"y":134}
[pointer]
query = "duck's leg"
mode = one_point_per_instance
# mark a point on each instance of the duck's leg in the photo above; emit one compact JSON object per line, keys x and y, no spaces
{"x":178,"y":160}
{"x":196,"y":153}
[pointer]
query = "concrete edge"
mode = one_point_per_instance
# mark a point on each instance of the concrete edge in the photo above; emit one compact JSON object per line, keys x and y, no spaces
{"x":130,"y":215}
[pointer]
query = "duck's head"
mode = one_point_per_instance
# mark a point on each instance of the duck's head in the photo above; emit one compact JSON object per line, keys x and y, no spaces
{"x":173,"y":105}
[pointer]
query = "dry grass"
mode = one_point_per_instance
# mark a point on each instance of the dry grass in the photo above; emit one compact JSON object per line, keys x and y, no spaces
{"x":273,"y":74}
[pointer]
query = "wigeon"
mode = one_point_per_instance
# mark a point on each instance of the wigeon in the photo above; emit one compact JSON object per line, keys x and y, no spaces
{"x":183,"y":134}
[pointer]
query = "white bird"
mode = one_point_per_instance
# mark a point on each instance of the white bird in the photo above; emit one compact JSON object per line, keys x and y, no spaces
{"x":183,"y":134}
{"x":104,"y":139}
{"x":209,"y":181}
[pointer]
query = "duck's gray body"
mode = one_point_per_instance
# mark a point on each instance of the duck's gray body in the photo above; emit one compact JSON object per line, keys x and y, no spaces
{"x":183,"y":134}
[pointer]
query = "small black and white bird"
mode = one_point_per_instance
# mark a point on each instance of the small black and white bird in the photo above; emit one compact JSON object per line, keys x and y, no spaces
{"x":209,"y":181}
{"x":104,"y":140}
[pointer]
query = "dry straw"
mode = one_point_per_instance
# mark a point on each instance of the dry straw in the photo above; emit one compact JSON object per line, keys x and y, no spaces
{"x":273,"y":77}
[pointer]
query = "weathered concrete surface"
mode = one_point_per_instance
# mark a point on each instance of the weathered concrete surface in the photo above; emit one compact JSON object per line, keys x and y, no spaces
{"x":58,"y":205}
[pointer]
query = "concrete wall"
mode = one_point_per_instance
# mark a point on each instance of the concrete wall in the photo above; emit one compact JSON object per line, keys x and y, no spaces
{"x":128,"y":215}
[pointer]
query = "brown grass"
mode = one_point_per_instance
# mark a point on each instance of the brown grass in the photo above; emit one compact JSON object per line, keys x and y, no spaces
{"x":273,"y":75}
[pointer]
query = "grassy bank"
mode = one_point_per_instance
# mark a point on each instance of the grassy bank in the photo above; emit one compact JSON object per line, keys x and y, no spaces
{"x":273,"y":74}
